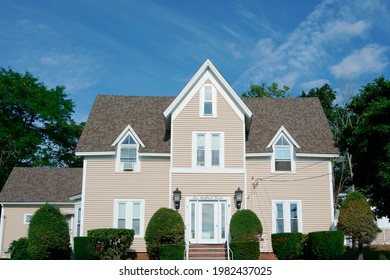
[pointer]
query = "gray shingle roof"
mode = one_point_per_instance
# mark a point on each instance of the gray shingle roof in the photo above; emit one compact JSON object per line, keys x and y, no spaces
{"x":302,"y":117}
{"x":39,"y":184}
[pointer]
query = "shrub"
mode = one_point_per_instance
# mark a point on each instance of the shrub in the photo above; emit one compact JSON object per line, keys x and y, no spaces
{"x":165,"y":227}
{"x":245,"y":226}
{"x":83,"y":249}
{"x":357,"y":220}
{"x":18,"y":249}
{"x":245,"y":229}
{"x":288,"y":245}
{"x":245,"y":250}
{"x":172,"y":251}
{"x":111,"y":243}
{"x":325,"y":245}
{"x":48,"y":235}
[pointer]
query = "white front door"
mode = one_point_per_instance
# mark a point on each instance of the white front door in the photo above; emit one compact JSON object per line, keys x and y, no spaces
{"x":207,"y":220}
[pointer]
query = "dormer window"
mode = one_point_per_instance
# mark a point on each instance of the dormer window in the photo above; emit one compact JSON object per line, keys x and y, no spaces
{"x":127,"y":156}
{"x":208,"y":102}
{"x":283,"y":154}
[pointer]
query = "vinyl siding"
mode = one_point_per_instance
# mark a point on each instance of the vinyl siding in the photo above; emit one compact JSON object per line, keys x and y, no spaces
{"x":189,"y":121}
{"x":310,"y":184}
{"x":14,"y":227}
{"x":103,"y":185}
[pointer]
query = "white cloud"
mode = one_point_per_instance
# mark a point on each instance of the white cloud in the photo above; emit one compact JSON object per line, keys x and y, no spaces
{"x":314,"y":83}
{"x":369,"y":59}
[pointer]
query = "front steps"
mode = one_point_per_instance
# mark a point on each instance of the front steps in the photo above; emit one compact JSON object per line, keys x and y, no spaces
{"x":207,"y":252}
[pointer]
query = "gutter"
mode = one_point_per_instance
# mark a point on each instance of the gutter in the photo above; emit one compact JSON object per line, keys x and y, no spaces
{"x":2,"y":219}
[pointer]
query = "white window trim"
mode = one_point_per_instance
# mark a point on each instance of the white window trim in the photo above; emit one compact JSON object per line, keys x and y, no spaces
{"x":208,"y":149}
{"x":76,"y":218}
{"x":286,"y":214}
{"x":202,"y":99}
{"x":25,"y":218}
{"x":129,"y":215}
{"x":118,"y":164}
{"x":292,"y":155}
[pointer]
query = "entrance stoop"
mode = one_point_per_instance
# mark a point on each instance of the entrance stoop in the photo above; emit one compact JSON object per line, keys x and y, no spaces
{"x":207,"y":252}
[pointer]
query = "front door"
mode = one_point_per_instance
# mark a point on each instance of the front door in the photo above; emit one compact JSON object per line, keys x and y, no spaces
{"x":207,"y":220}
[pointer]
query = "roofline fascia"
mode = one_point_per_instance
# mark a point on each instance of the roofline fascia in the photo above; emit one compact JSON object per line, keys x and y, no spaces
{"x":314,"y":155}
{"x":5,"y":203}
{"x":128,"y":129}
{"x":155,"y":154}
{"x":104,"y":153}
{"x":249,"y":155}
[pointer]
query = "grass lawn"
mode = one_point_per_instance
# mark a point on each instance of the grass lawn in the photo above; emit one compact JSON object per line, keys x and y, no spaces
{"x":374,"y":252}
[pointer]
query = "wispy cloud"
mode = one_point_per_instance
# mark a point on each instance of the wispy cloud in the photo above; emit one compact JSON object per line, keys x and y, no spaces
{"x":367,"y":60}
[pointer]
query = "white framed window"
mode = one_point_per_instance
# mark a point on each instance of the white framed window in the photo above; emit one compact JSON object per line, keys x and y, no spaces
{"x":286,"y":216}
{"x":27,"y":218}
{"x":208,"y":102}
{"x":127,"y":155}
{"x":208,"y":149}
{"x":129,"y":213}
{"x":283,"y":155}
{"x":78,"y":220}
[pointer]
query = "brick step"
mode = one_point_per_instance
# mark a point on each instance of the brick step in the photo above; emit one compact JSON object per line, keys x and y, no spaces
{"x":207,"y":252}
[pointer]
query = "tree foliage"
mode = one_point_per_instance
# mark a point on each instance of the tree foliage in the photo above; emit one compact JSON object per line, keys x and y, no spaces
{"x":48,"y":235}
{"x":36,"y":127}
{"x":272,"y":91}
{"x":369,"y":143}
{"x":357,"y":220}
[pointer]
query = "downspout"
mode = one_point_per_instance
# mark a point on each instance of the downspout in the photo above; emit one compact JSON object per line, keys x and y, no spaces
{"x":2,"y":219}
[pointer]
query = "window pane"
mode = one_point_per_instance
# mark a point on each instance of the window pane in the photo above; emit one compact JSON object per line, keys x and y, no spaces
{"x":215,"y":158}
{"x":279,"y":210}
{"x":121,"y":223}
{"x":208,"y":108}
{"x":193,"y":229}
{"x":282,"y":141}
{"x":279,"y":225}
{"x":200,"y":153}
{"x":208,"y":93}
{"x":293,"y":211}
{"x":128,"y":154}
{"x":200,"y":141}
{"x":294,"y":225}
{"x":223,"y":218}
{"x":200,"y":158}
{"x":136,"y":226}
{"x":128,"y":140}
{"x":282,"y":165}
{"x":136,"y":210}
{"x":282,"y":153}
{"x":122,"y":210}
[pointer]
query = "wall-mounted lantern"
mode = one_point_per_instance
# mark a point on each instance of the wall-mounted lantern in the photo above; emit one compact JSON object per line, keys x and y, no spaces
{"x":177,"y":198}
{"x":238,"y":198}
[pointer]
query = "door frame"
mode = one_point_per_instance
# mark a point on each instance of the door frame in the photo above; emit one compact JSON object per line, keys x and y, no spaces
{"x":199,"y":200}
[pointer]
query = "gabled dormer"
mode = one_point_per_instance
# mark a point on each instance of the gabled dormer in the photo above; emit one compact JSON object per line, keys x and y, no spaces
{"x":283,"y":155}
{"x":127,"y":151}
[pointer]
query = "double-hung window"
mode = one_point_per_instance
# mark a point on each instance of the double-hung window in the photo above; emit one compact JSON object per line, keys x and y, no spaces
{"x":128,"y":150}
{"x":208,"y":149}
{"x":287,"y":216}
{"x":283,"y":154}
{"x":129,"y":214}
{"x":208,"y":102}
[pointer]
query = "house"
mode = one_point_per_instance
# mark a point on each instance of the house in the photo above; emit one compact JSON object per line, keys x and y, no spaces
{"x":27,"y":189}
{"x":208,"y":145}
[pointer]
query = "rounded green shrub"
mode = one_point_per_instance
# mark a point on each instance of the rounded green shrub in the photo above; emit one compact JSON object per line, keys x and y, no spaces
{"x":48,"y":235}
{"x":83,"y":249}
{"x":245,"y":250}
{"x":325,"y":245}
{"x":172,"y":251}
{"x":18,"y":249}
{"x":245,"y":230}
{"x":165,"y":227}
{"x":245,"y":226}
{"x":288,"y":245}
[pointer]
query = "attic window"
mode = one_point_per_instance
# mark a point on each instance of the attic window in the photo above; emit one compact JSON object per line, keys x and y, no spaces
{"x":283,"y":154}
{"x":208,"y":102}
{"x":128,"y":150}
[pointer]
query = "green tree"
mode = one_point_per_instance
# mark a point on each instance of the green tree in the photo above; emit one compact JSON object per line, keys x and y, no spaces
{"x":36,"y":128}
{"x":368,"y":140}
{"x":272,"y":91}
{"x":48,"y":235}
{"x":357,"y":220}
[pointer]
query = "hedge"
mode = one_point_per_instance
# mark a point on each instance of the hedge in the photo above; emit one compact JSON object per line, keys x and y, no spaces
{"x":325,"y":245}
{"x":245,"y":226}
{"x":288,"y":245}
{"x":165,"y":227}
{"x":111,"y":243}
{"x":172,"y":251}
{"x":83,"y":249}
{"x":18,"y":249}
{"x":245,"y":250}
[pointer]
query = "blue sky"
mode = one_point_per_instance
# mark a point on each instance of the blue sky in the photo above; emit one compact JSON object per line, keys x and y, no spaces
{"x":154,"y":47}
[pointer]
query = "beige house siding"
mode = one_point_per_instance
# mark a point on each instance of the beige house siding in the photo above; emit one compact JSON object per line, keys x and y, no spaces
{"x":14,"y":227}
{"x":103,"y":185}
{"x":310,"y":184}
{"x":189,"y":121}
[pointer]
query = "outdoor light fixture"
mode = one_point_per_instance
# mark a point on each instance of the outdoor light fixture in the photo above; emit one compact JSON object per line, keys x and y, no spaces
{"x":238,"y":197}
{"x":176,"y":198}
